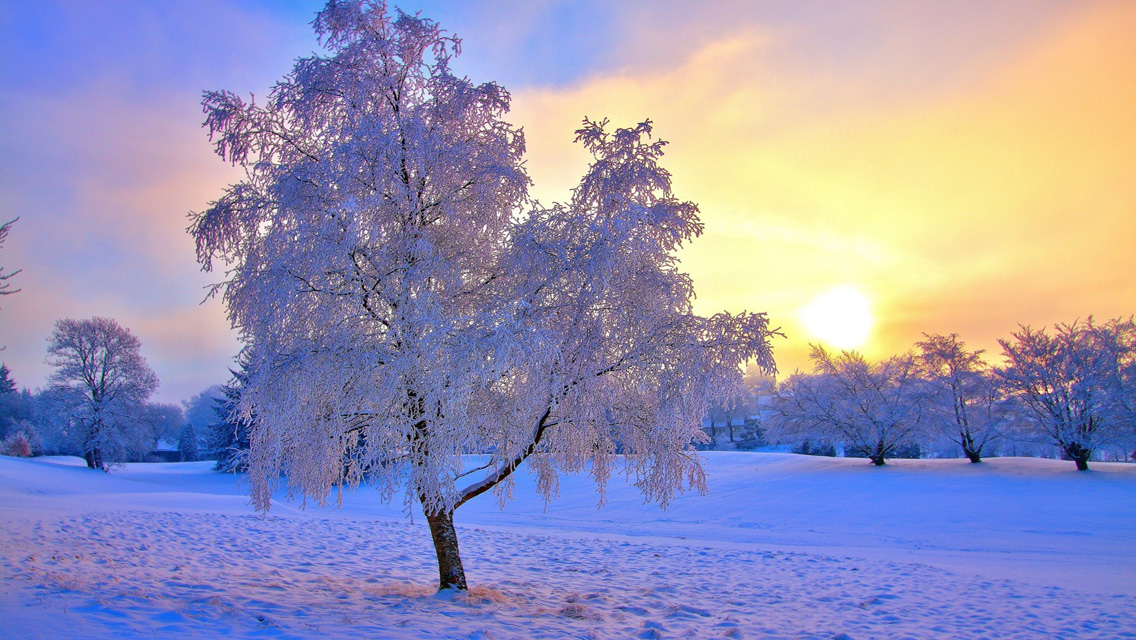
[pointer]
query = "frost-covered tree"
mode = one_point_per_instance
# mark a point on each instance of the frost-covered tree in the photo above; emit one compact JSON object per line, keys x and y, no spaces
{"x":187,"y":443}
{"x":162,"y":422}
{"x":400,"y":314}
{"x":5,"y":286}
{"x":201,"y":409}
{"x":967,"y":406}
{"x":872,"y":408}
{"x":15,"y":405}
{"x":228,"y":436}
{"x":101,"y":383}
{"x":1076,"y":382}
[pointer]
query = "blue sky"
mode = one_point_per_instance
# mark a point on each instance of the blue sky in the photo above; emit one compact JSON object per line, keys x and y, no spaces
{"x":966,"y":165}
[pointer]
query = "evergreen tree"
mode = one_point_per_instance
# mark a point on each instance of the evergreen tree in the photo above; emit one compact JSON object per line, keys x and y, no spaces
{"x":187,"y":443}
{"x":7,"y":385}
{"x":228,"y":439}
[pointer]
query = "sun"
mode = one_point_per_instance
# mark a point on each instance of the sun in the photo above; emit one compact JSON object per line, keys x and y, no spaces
{"x":840,"y":317}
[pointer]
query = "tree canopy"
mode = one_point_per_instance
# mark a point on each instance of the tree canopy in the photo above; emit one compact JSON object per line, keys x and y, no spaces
{"x":404,"y":305}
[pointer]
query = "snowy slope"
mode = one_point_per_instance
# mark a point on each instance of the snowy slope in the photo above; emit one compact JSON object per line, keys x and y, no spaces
{"x":783,"y":547}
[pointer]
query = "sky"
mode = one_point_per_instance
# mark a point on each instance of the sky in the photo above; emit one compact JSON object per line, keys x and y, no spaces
{"x":960,"y":166}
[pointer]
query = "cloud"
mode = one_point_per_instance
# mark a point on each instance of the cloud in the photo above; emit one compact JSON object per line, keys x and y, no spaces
{"x":110,"y":157}
{"x":967,"y":165}
{"x":1001,"y":193}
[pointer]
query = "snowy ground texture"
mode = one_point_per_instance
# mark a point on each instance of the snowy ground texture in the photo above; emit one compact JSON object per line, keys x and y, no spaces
{"x":783,"y":547}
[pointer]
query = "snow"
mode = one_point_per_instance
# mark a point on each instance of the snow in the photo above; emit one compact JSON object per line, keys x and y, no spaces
{"x":783,"y":546}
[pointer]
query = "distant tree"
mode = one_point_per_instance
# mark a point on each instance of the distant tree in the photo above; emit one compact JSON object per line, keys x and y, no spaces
{"x":200,"y":410}
{"x":731,"y":411}
{"x":61,"y":431}
{"x":1075,"y":382}
{"x":163,"y":423}
{"x":103,"y":382}
{"x":968,"y":407}
{"x":874,"y":409}
{"x":401,"y":314}
{"x":806,"y":448}
{"x":7,"y":384}
{"x":16,"y":406}
{"x":187,"y":443}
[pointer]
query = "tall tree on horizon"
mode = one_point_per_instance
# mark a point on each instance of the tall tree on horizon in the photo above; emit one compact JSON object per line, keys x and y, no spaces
{"x":102,"y":381}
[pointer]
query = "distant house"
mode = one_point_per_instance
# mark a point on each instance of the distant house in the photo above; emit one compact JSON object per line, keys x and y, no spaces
{"x":165,"y":451}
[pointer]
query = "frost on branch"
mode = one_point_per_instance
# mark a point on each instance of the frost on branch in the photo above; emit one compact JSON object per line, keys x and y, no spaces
{"x":400,"y":313}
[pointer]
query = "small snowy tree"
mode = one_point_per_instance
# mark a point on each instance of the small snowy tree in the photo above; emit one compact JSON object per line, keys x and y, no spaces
{"x":101,"y":382}
{"x":967,"y":406}
{"x":873,"y":408}
{"x":1076,"y":382}
{"x":16,"y":444}
{"x":187,"y":443}
{"x":400,"y":314}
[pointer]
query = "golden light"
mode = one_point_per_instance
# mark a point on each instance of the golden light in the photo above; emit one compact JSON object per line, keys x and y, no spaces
{"x":840,"y":317}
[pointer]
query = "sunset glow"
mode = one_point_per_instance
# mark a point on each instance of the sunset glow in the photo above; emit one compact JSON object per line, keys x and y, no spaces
{"x":969,"y":164}
{"x":840,"y":317}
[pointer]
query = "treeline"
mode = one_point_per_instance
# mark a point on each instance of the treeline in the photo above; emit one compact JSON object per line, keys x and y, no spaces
{"x":97,"y":405}
{"x":44,"y":422}
{"x":1072,"y":388}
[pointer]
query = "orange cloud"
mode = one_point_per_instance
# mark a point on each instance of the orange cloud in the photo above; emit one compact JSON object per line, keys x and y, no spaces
{"x":1005,"y":196}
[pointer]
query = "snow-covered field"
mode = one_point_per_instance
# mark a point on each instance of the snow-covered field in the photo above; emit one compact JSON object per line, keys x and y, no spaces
{"x":783,"y":547}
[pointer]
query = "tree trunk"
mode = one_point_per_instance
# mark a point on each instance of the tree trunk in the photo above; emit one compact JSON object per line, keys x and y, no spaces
{"x":970,"y":449}
{"x":451,"y":575}
{"x":877,"y":457}
{"x":1079,"y":455}
{"x":94,"y":459}
{"x":93,"y":453}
